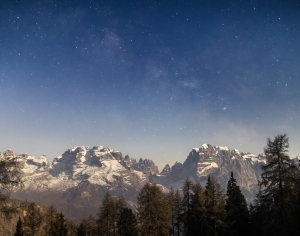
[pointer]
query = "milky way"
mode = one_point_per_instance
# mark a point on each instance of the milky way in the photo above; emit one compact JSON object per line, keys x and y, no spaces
{"x":152,"y":79}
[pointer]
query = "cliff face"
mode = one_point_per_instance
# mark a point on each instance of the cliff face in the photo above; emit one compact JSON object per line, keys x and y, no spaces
{"x":76,"y":181}
{"x":217,"y":161}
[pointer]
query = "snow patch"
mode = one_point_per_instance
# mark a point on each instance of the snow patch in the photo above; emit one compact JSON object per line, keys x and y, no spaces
{"x":236,"y":151}
{"x":222,"y":148}
{"x":208,"y":166}
{"x":248,"y":156}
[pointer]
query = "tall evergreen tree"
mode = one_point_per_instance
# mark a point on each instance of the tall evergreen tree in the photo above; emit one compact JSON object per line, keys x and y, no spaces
{"x":50,"y":220}
{"x":174,"y":199}
{"x":60,"y":225}
{"x":186,"y":207}
{"x":87,"y":226}
{"x":127,"y":223}
{"x":214,"y":208}
{"x":33,"y":219}
{"x":107,"y":216}
{"x":237,"y":213}
{"x":295,"y":199}
{"x":277,"y":186}
{"x":71,"y":227}
{"x":198,"y":210}
{"x":19,"y":228}
{"x":10,"y":177}
{"x":82,"y":229}
{"x":256,"y":219}
{"x":153,"y":211}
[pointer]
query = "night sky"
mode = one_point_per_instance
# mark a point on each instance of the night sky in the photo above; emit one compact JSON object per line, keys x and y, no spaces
{"x":152,"y":79}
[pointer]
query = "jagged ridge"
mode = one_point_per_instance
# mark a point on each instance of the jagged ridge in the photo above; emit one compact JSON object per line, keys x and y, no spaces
{"x":218,"y":161}
{"x":77,"y":180}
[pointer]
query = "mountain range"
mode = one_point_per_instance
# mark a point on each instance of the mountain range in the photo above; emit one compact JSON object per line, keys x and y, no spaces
{"x":76,"y":181}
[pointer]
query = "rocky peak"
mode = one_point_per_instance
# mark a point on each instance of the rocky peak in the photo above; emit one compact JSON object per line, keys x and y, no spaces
{"x":146,"y":166}
{"x":81,"y":175}
{"x":81,"y":157}
{"x":218,"y":161}
{"x":167,"y":169}
{"x":9,"y":153}
{"x":176,"y":167}
{"x":30,"y":164}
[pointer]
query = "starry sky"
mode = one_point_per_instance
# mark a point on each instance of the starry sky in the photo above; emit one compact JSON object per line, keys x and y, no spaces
{"x":152,"y":79}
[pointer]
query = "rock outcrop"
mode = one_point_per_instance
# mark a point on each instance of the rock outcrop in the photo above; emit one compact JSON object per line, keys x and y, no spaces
{"x":217,"y":161}
{"x":77,"y":180}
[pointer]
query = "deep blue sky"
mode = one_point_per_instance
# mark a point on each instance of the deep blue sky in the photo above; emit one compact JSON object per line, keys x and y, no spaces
{"x":152,"y":79}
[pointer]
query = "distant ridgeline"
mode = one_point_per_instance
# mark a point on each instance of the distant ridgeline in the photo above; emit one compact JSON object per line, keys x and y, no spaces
{"x":77,"y":180}
{"x":207,"y":193}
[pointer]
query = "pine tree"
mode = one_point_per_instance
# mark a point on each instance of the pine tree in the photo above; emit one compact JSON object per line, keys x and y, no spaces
{"x":277,"y":184}
{"x":71,"y":227}
{"x":174,"y":199}
{"x":33,"y":219}
{"x":82,"y":229}
{"x":87,"y":226}
{"x":126,"y":220}
{"x":10,"y":177}
{"x":256,"y":219}
{"x":19,"y":228}
{"x":198,"y":210}
{"x":107,"y":217}
{"x":50,"y":220}
{"x":60,"y":225}
{"x":295,"y":198}
{"x":153,"y":211}
{"x":237,"y":213}
{"x":186,"y":207}
{"x":127,"y":223}
{"x":214,"y":208}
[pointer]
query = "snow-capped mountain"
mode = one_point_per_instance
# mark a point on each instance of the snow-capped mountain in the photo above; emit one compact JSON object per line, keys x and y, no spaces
{"x":98,"y":165}
{"x":77,"y":180}
{"x":217,"y":161}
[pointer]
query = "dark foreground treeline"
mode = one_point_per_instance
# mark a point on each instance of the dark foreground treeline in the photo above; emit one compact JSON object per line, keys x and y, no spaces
{"x":209,"y":210}
{"x":195,"y":210}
